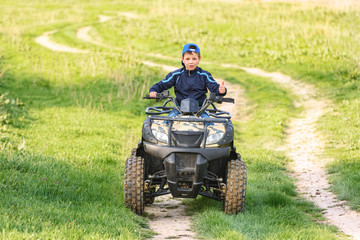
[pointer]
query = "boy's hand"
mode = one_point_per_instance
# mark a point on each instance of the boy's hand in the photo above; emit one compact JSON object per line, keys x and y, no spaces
{"x":153,"y":94}
{"x":221,"y":88}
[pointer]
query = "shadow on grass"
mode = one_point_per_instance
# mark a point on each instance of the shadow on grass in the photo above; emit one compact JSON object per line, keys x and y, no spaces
{"x":43,"y":194}
{"x":100,"y":93}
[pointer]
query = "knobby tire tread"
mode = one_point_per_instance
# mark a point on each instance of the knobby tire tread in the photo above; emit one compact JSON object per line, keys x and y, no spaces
{"x":134,"y":183}
{"x":236,"y":187}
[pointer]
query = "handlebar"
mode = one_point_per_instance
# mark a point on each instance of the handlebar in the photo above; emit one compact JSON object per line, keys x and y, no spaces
{"x":219,"y":99}
{"x":213,"y":98}
{"x":164,"y":109}
{"x":159,"y":96}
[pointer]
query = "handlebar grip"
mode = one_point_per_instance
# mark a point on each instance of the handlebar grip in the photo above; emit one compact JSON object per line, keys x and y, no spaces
{"x":158,"y":96}
{"x":230,"y":100}
{"x":162,"y":95}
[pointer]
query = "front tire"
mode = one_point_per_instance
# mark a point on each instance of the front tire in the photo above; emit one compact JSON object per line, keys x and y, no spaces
{"x":234,"y":201}
{"x":134,"y":184}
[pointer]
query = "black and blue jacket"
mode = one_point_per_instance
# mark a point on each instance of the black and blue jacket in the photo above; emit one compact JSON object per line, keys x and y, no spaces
{"x":188,"y":84}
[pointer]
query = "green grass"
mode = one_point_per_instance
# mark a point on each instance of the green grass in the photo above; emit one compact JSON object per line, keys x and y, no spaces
{"x":68,"y":121}
{"x":46,"y":197}
{"x":345,"y":147}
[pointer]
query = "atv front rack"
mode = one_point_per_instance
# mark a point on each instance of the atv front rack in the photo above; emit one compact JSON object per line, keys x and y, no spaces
{"x":190,"y":119}
{"x":215,"y":113}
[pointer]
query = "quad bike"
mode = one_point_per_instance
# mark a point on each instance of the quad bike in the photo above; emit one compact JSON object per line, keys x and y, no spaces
{"x":186,"y":155}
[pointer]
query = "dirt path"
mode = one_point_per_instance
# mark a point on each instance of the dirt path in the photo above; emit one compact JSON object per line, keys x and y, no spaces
{"x":305,"y":146}
{"x":83,"y":34}
{"x":45,"y":41}
{"x":167,"y":217}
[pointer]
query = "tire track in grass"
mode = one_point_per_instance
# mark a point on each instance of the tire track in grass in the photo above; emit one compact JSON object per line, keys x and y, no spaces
{"x":45,"y":41}
{"x":82,"y":34}
{"x":305,"y":146}
{"x":168,"y":219}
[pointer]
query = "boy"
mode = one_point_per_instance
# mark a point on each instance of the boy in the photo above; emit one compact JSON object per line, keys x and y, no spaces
{"x":190,"y":81}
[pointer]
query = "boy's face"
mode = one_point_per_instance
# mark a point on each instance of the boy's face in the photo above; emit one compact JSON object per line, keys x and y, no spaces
{"x":191,"y":60}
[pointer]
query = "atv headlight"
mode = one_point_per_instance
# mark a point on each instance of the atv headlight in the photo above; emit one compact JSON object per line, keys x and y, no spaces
{"x":214,"y":138}
{"x":160,"y":136}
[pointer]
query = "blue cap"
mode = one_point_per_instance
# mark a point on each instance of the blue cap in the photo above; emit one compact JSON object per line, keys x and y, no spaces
{"x":191,"y":47}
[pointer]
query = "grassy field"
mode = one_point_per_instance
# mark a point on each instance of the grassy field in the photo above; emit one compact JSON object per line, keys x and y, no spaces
{"x":69,"y":121}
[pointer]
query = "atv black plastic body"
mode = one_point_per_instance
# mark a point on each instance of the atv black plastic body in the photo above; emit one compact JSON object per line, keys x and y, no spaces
{"x":186,"y":155}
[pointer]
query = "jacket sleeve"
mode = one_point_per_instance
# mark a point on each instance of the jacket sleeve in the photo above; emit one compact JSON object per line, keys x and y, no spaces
{"x":164,"y":84}
{"x":212,"y":85}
